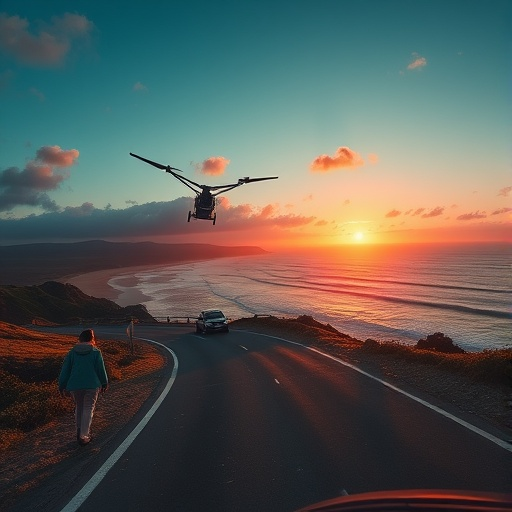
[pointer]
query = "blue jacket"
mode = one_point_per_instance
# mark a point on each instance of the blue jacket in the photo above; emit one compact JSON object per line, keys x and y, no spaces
{"x":83,"y":368}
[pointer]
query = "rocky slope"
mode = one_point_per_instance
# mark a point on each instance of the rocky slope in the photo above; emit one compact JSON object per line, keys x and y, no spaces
{"x":58,"y":303}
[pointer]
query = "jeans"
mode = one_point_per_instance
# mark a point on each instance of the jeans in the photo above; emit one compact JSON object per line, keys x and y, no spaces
{"x":85,"y":402}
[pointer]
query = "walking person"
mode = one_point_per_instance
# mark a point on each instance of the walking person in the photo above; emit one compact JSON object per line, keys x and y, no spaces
{"x":83,"y":375}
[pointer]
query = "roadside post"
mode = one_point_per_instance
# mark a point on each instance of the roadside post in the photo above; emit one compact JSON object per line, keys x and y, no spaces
{"x":129,"y":331}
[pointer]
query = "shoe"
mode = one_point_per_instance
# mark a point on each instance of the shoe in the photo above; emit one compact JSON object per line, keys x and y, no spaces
{"x":83,"y":440}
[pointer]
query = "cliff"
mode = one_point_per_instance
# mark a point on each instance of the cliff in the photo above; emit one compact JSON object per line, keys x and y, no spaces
{"x":57,"y":303}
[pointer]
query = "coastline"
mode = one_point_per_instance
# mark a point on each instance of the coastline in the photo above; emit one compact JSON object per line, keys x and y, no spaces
{"x":178,"y":288}
{"x":115,"y":284}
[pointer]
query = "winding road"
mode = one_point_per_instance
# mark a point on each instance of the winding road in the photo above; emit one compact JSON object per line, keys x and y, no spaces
{"x":248,"y":422}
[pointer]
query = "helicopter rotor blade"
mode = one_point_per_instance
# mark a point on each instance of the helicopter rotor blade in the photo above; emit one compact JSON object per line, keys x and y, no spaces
{"x":251,"y":180}
{"x":217,"y":187}
{"x":155,"y":164}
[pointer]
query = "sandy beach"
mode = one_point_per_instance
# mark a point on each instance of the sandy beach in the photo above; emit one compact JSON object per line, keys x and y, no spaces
{"x":116,"y":284}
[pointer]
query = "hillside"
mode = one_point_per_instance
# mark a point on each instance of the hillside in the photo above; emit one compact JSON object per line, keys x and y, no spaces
{"x":57,"y":303}
{"x":37,"y":263}
{"x":36,"y":422}
{"x":37,"y":457}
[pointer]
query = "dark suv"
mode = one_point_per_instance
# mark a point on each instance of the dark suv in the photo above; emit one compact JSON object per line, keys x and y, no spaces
{"x":212,"y":320}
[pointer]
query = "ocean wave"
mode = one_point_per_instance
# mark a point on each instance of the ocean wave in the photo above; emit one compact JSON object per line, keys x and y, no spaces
{"x":345,"y":278}
{"x":399,"y":300}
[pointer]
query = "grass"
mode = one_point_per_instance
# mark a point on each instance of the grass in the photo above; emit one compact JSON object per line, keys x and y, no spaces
{"x":489,"y":366}
{"x":30,"y":364}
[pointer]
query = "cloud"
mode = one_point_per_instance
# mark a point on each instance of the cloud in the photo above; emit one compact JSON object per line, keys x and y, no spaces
{"x":417,"y":63}
{"x":393,"y":213}
{"x":37,"y":93}
{"x":29,"y":186}
{"x":138,"y":86}
{"x":433,"y":213}
{"x":505,"y":192}
{"x":81,"y":211}
{"x":501,"y":210}
{"x":144,"y":221}
{"x":472,"y":216}
{"x":344,"y":158}
{"x":214,"y":166}
{"x":54,"y":155}
{"x":49,"y":46}
{"x":418,"y":211}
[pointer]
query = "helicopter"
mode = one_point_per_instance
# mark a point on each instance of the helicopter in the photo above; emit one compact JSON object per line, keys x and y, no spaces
{"x":204,"y":202}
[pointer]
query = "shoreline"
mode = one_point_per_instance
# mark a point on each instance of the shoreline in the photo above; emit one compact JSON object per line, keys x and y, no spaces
{"x":141,"y":284}
{"x":98,"y":284}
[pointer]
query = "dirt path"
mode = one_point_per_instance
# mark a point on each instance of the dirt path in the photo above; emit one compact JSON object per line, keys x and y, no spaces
{"x":51,"y":453}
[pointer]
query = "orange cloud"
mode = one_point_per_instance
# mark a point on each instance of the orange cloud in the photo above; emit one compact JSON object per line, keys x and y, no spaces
{"x":268,"y":211}
{"x":472,"y":216}
{"x":501,"y":210}
{"x":393,"y":213}
{"x":54,"y":155}
{"x":505,"y":192}
{"x":433,"y":213}
{"x":214,"y":166}
{"x":344,"y":158}
{"x":418,"y":62}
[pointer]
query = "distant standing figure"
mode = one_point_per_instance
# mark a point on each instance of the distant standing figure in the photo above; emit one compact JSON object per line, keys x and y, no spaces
{"x":83,"y":374}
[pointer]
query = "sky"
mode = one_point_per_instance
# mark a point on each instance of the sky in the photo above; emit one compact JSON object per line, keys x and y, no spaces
{"x":386,"y":121}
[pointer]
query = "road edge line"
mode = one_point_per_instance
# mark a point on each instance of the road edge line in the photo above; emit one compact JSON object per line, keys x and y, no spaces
{"x":79,"y":498}
{"x":496,"y":440}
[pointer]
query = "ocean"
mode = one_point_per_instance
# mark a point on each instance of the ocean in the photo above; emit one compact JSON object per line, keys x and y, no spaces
{"x":387,"y":293}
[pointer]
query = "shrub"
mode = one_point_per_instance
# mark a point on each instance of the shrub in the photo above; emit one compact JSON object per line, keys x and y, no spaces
{"x":371,"y":345}
{"x":438,"y":342}
{"x":29,"y":405}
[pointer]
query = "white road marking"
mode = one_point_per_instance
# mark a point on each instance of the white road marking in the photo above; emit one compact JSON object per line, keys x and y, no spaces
{"x":496,"y":440}
{"x":245,"y":348}
{"x":89,"y":487}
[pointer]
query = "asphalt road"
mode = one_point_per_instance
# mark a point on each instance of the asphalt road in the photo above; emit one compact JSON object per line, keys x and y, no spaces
{"x":252,"y":423}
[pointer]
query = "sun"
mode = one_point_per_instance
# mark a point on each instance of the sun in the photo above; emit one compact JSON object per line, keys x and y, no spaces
{"x":358,"y":236}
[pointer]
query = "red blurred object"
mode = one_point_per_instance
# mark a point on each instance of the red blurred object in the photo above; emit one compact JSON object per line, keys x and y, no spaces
{"x":424,"y":500}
